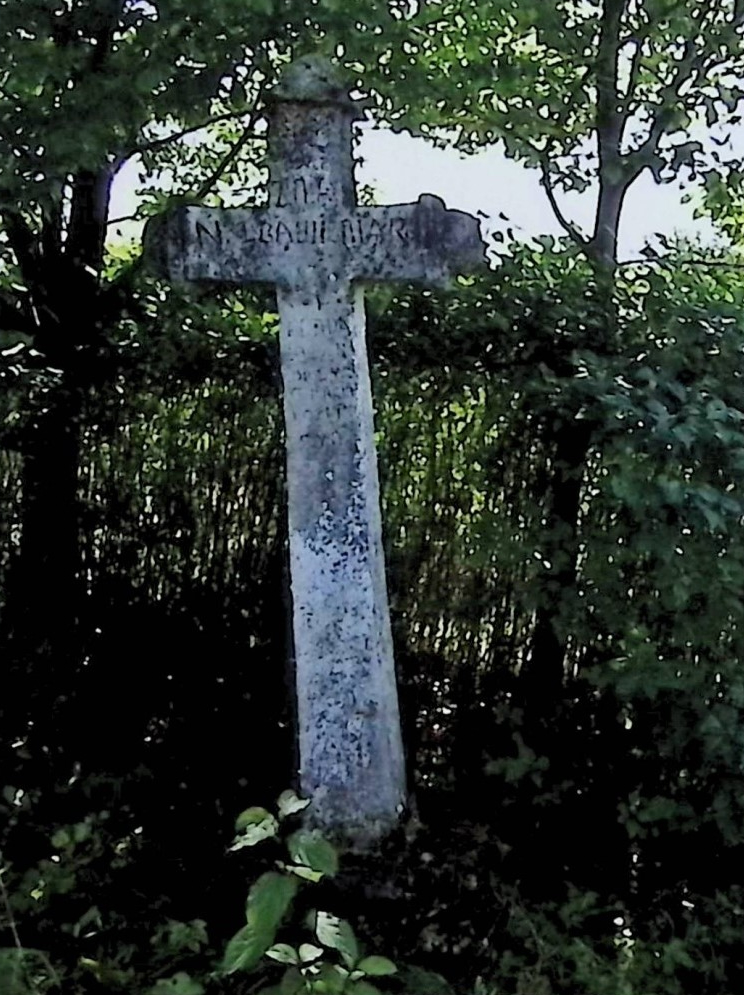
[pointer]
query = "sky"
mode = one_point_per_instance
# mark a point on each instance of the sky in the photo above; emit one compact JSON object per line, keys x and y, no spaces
{"x":399,"y":167}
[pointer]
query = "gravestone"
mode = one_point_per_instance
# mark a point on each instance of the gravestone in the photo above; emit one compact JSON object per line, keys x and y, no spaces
{"x":318,"y":248}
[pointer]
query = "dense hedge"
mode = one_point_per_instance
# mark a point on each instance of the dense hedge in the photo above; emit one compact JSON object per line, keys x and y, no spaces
{"x":571,"y":689}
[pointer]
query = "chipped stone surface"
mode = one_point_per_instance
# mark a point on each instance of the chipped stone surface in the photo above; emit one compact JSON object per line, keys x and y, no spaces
{"x":318,"y":248}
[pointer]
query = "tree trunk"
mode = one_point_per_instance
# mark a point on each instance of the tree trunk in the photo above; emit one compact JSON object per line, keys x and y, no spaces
{"x":45,"y":591}
{"x":543,"y":675}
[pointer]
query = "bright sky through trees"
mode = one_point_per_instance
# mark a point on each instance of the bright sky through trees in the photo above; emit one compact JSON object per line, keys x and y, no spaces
{"x":399,"y":167}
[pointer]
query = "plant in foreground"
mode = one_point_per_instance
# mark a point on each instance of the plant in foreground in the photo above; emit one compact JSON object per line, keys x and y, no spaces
{"x":327,"y":958}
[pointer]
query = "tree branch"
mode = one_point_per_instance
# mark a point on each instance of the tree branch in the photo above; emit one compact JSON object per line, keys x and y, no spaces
{"x":158,"y":143}
{"x":22,"y":242}
{"x":123,"y":218}
{"x":9,"y":916}
{"x":563,"y":221}
{"x":690,"y":62}
{"x":91,"y":192}
{"x":231,"y":156}
{"x":609,"y":120}
{"x":673,"y":263}
{"x":633,"y":72}
{"x":13,"y":315}
{"x":693,"y":62}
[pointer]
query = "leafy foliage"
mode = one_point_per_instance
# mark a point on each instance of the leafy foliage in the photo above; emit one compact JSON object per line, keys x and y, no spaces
{"x":307,"y":969}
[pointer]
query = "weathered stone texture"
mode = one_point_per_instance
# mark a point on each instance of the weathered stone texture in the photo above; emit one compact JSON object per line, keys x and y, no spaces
{"x":318,"y":247}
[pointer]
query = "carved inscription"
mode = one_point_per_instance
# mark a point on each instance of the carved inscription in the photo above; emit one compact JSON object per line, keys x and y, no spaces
{"x":290,"y":193}
{"x":352,"y":232}
{"x":299,"y":191}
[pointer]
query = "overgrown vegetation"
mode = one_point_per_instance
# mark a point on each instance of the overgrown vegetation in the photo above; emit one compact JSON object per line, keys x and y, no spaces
{"x":561,"y":445}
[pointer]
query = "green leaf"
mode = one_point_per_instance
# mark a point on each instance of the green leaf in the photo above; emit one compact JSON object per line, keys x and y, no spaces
{"x":309,"y":952}
{"x":305,"y":873}
{"x":254,"y":825}
{"x":291,"y":982}
{"x":423,"y":982}
{"x":253,"y":816}
{"x":289,"y":804}
{"x":309,"y":847}
{"x":268,"y":902}
{"x":376,"y":966}
{"x":334,"y":977}
{"x":362,"y":988}
{"x":338,"y":935}
{"x":61,"y":839}
{"x":243,"y":951}
{"x":269,"y":899}
{"x":283,"y":953}
{"x":179,"y":984}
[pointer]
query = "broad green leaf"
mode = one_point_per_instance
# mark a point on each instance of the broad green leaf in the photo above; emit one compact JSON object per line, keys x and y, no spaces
{"x":338,"y":935}
{"x":309,"y":952}
{"x":362,"y":988}
{"x":253,"y":826}
{"x":283,"y":953}
{"x":424,"y":982}
{"x":289,"y":803}
{"x":376,"y":966}
{"x":179,"y":984}
{"x":334,"y":977}
{"x":309,"y":847}
{"x":252,"y":817}
{"x":305,"y":873}
{"x":268,"y":901}
{"x":291,"y":982}
{"x":243,"y":951}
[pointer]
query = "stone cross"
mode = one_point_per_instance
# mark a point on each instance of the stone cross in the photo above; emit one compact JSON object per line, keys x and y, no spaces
{"x":318,"y":247}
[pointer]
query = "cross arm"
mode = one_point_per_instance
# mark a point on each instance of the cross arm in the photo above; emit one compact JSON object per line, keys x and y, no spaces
{"x":290,"y":246}
{"x":203,"y":244}
{"x":422,"y":242}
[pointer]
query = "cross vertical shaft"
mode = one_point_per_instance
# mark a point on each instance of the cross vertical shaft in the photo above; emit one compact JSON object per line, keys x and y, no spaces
{"x":351,"y":753}
{"x":318,"y":248}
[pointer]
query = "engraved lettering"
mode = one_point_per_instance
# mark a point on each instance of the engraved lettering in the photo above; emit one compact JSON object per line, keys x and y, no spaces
{"x":291,"y":192}
{"x":373,"y":232}
{"x":349,"y":236}
{"x":322,"y":192}
{"x":399,"y":227}
{"x":265,"y":233}
{"x":283,"y":231}
{"x":202,"y":232}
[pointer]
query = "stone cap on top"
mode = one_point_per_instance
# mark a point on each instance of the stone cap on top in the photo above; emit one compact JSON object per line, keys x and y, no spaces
{"x":314,"y":79}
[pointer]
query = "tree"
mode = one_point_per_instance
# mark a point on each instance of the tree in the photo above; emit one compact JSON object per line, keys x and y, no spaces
{"x":85,"y":86}
{"x":592,"y":94}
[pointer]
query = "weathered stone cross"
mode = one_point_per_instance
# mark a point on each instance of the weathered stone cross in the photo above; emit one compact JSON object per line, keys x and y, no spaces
{"x":317,"y":247}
